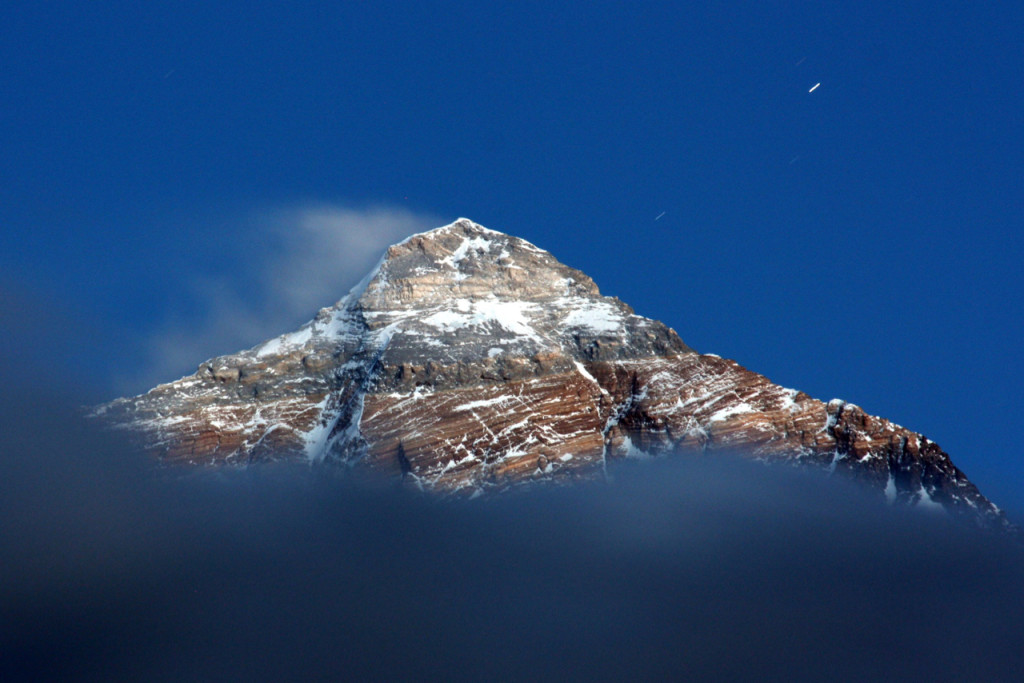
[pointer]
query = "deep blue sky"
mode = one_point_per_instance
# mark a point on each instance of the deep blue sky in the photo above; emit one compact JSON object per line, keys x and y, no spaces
{"x":861,"y":241}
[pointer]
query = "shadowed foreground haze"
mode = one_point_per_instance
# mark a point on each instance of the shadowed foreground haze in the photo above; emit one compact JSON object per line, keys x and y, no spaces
{"x":684,"y":567}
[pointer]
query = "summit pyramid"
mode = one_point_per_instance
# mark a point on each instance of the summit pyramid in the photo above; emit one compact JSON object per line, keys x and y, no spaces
{"x":469,"y":361}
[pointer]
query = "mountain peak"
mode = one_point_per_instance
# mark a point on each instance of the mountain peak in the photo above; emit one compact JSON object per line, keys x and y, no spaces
{"x":471,"y":360}
{"x":461,"y":292}
{"x":466,"y":226}
{"x":467,"y":259}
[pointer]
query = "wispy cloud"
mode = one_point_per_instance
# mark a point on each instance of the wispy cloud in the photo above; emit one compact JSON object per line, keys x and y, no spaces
{"x":303,"y":258}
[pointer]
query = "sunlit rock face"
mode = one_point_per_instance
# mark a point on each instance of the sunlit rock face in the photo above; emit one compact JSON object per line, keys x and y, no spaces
{"x":470,"y":361}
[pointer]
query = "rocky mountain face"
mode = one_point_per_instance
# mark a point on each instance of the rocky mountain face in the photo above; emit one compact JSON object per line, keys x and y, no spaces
{"x":470,"y":361}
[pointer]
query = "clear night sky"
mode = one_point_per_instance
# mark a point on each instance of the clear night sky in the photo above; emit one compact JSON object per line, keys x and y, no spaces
{"x":177,"y":175}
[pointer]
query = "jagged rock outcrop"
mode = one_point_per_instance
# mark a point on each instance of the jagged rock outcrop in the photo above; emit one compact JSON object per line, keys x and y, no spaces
{"x":471,"y":361}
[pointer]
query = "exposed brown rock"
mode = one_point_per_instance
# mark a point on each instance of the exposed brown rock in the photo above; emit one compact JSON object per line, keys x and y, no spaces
{"x":472,"y":361}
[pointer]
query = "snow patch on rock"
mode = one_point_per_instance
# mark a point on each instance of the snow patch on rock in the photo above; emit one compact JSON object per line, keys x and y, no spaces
{"x":285,"y":341}
{"x":509,"y":315}
{"x":598,"y":316}
{"x":726,"y":413}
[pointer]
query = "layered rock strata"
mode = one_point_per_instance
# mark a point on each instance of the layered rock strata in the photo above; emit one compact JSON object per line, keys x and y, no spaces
{"x":470,"y":361}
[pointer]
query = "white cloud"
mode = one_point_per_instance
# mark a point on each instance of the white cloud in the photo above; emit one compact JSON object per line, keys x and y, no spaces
{"x":304,"y":258}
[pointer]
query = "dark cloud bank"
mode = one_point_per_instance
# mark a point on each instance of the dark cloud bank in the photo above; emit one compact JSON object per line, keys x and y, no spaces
{"x":683,"y":568}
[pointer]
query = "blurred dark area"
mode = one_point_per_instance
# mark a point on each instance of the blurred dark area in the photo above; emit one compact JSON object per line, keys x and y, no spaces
{"x":718,"y":568}
{"x":112,"y":569}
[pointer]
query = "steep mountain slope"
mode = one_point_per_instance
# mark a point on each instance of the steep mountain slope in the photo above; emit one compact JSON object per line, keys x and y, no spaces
{"x":472,"y":361}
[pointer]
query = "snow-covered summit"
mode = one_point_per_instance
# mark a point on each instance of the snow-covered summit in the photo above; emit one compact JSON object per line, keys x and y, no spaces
{"x":466,"y":225}
{"x":462,"y":291}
